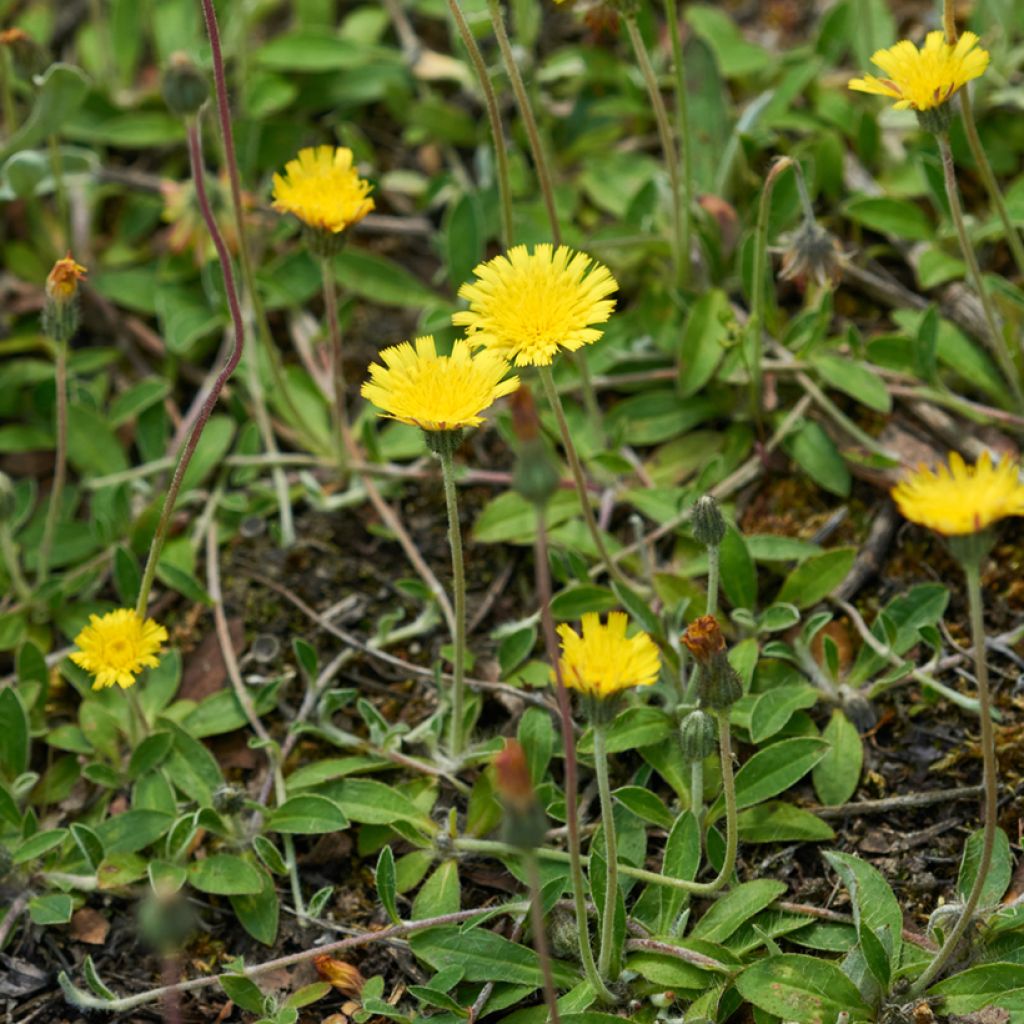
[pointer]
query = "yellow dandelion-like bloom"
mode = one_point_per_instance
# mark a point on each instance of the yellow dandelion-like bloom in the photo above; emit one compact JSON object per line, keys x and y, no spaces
{"x":604,"y":661}
{"x":323,"y":189}
{"x":925,"y":78}
{"x":117,"y":646}
{"x":959,"y":499}
{"x":526,"y":306}
{"x":417,"y":386}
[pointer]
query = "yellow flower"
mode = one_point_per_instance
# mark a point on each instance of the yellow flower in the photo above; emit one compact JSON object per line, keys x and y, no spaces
{"x":604,"y":660}
{"x":323,"y":189}
{"x":526,"y":306}
{"x":117,"y":646}
{"x":434,"y":392}
{"x":959,"y":499}
{"x":925,"y":78}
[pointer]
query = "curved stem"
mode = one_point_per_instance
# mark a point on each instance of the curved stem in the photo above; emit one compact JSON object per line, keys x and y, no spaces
{"x":12,"y":563}
{"x":972,"y":570}
{"x":731,"y":816}
{"x":997,"y":341}
{"x":184,"y":457}
{"x":679,"y":255}
{"x":683,"y":132}
{"x":608,"y":958}
{"x":60,"y":470}
{"x":451,"y":498}
{"x":542,"y":572}
{"x":493,"y":115}
{"x":548,"y":383}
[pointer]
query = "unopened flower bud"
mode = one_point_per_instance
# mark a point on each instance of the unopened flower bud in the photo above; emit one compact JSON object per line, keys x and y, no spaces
{"x":703,"y":639}
{"x":184,"y":86}
{"x":708,"y":522}
{"x":8,"y":502}
{"x":698,"y":736}
{"x":27,"y":55}
{"x":525,"y":822}
{"x":343,"y":976}
{"x":718,"y":684}
{"x":535,"y":475}
{"x":60,"y":310}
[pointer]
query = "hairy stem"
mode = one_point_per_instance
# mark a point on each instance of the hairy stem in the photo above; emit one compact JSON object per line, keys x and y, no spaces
{"x":337,"y":364}
{"x":972,"y":570}
{"x":683,"y":133}
{"x":451,"y":498}
{"x":608,"y":958}
{"x":540,"y":936}
{"x":60,"y":468}
{"x":713,"y":565}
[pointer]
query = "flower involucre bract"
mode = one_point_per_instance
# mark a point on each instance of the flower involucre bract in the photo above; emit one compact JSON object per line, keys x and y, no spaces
{"x":604,"y":661}
{"x":526,"y":306}
{"x":323,"y":189}
{"x":927,"y":77}
{"x":959,"y":499}
{"x":117,"y":646}
{"x":417,"y":386}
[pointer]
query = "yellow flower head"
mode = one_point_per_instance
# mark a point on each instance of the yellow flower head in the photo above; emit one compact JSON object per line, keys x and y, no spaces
{"x":604,"y":661}
{"x":959,"y":499}
{"x":117,"y":646}
{"x":62,"y":281}
{"x":925,"y":78}
{"x":526,"y":306}
{"x":323,"y":189}
{"x":417,"y":386}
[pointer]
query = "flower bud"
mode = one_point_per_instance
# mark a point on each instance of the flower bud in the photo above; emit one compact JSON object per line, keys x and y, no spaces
{"x":703,"y":639}
{"x":812,"y":254}
{"x":535,"y":475}
{"x":343,"y":976}
{"x":525,"y":822}
{"x":698,"y":736}
{"x":718,"y":683}
{"x":184,"y":86}
{"x":60,"y":310}
{"x":708,"y":522}
{"x":27,"y":55}
{"x":8,"y":501}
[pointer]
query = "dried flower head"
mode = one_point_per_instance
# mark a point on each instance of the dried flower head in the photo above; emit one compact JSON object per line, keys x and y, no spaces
{"x":923,"y":79}
{"x":604,"y":661}
{"x":812,"y":254}
{"x":703,"y":639}
{"x":527,"y":306}
{"x":343,"y":976}
{"x":117,"y":646}
{"x":957,"y":499}
{"x":437,"y":393}
{"x":62,"y":281}
{"x":323,"y":189}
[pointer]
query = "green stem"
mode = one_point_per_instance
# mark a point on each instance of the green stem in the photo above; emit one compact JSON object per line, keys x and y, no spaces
{"x":451,"y":498}
{"x":997,"y":340}
{"x":713,"y":575}
{"x":9,"y":553}
{"x":548,"y":383}
{"x":60,"y":470}
{"x":60,"y":189}
{"x":697,"y":792}
{"x":608,"y":957}
{"x":574,"y":856}
{"x":7,"y":94}
{"x":493,"y":115}
{"x":137,"y":714}
{"x":540,"y":936}
{"x":337,"y":364}
{"x":683,"y":133}
{"x":731,"y":817}
{"x":679,"y":254}
{"x":972,"y":570}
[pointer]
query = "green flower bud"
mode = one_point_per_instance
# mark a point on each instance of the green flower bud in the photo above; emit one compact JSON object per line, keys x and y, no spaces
{"x":708,"y":522}
{"x":718,"y":683}
{"x":535,"y":475}
{"x":184,"y":86}
{"x":698,"y":736}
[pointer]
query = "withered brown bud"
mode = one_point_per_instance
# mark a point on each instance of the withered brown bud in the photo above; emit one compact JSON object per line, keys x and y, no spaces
{"x":344,"y":977}
{"x":703,"y":639}
{"x":525,"y":822}
{"x":525,"y":421}
{"x":60,"y":310}
{"x":812,"y":254}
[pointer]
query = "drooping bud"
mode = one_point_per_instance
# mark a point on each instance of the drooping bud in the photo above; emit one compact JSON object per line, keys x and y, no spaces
{"x":184,"y":86}
{"x":812,"y":254}
{"x":703,"y":639}
{"x":525,"y":822}
{"x":535,"y":475}
{"x":343,"y":976}
{"x":8,"y":501}
{"x":60,"y":310}
{"x":698,"y":736}
{"x":708,"y":522}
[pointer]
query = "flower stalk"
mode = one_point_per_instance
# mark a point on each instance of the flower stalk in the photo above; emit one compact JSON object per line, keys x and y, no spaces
{"x":608,"y":963}
{"x":337,"y":365}
{"x":680,"y":245}
{"x":60,"y":468}
{"x":685,"y":146}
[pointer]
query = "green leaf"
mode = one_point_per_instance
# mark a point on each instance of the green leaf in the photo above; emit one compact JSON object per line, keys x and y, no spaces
{"x":120,"y":869}
{"x":646,"y":805}
{"x":38,"y":845}
{"x":738,"y":574}
{"x":837,"y":774}
{"x":61,"y":93}
{"x":440,"y":893}
{"x":320,"y":51}
{"x":373,"y":803}
{"x":242,"y":991}
{"x":803,"y":989}
{"x":639,"y":726}
{"x":1000,"y":871}
{"x":853,"y":379}
{"x":982,"y":988}
{"x":308,"y":814}
{"x":571,"y":604}
{"x":384,"y":877}
{"x":166,"y":878}
{"x":898,"y":218}
{"x":258,"y":912}
{"x":813,"y":450}
{"x":133,"y":830}
{"x":223,"y":874}
{"x":14,"y":729}
{"x":780,"y":822}
{"x":51,"y":908}
{"x":773,"y":770}
{"x":775,"y":707}
{"x":214,"y":444}
{"x":874,"y":904}
{"x":705,"y":337}
{"x":381,"y":280}
{"x":737,"y":906}
{"x":816,"y":578}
